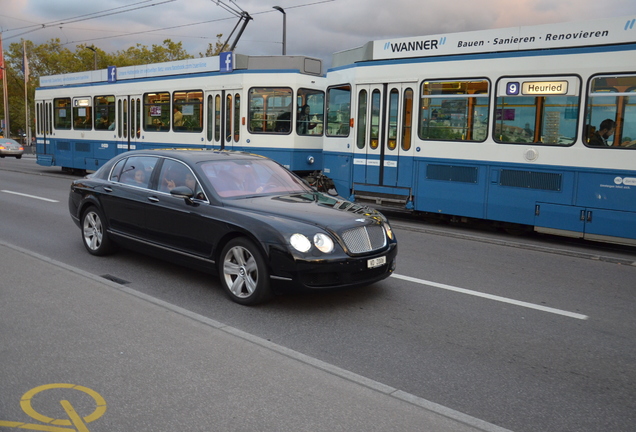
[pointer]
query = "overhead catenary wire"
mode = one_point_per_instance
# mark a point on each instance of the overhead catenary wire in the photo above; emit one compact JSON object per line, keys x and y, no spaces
{"x":234,"y":11}
{"x":85,"y":17}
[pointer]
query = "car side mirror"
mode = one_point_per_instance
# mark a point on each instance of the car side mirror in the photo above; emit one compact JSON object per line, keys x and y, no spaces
{"x":183,"y":192}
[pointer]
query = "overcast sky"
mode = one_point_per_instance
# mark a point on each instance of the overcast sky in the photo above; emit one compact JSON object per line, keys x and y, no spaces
{"x":315,"y":28}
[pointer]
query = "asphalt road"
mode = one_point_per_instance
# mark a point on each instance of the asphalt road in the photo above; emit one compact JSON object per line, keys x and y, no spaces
{"x":528,"y":333}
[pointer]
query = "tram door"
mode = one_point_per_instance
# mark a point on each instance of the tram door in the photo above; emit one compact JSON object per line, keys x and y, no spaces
{"x":223,"y":119}
{"x":43,"y":126}
{"x":128,"y":122}
{"x":383,"y":134}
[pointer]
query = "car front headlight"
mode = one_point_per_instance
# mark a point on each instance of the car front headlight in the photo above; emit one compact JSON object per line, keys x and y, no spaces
{"x":324,"y":243}
{"x":300,"y":242}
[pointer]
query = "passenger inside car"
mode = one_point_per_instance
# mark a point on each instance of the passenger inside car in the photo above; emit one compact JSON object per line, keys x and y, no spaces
{"x":173,"y":174}
{"x":140,"y":178}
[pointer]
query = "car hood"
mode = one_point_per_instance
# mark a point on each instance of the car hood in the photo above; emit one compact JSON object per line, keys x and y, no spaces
{"x":314,"y":208}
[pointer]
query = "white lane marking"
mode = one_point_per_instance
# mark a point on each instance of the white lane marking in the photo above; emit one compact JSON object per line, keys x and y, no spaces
{"x":492,"y":297}
{"x":29,"y":196}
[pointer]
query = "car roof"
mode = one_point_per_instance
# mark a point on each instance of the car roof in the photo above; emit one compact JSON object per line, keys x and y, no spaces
{"x":196,"y":155}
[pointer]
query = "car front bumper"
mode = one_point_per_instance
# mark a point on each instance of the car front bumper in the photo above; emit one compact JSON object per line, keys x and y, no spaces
{"x":333,"y":272}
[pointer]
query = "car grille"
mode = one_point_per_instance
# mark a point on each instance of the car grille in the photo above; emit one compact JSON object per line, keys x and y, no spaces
{"x":364,"y":239}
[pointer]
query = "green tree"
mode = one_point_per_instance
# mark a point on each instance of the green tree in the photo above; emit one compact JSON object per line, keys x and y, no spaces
{"x":141,"y":55}
{"x":15,"y":85}
{"x":53,"y":58}
{"x":214,"y":50}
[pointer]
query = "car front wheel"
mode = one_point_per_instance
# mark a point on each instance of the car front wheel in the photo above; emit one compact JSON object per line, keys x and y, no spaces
{"x":94,"y":234}
{"x":244,"y":274}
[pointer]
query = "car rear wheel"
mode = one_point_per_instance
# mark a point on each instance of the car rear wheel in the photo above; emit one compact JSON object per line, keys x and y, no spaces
{"x":244,"y":274}
{"x":94,"y":234}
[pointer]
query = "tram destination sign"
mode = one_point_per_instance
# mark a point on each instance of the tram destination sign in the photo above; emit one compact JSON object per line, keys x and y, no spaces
{"x":569,"y":34}
{"x":545,"y":88}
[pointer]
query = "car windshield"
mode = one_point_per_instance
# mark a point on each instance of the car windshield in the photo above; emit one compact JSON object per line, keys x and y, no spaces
{"x":241,"y":178}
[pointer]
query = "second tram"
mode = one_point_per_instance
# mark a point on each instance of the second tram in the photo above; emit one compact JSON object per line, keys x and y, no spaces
{"x":268,"y":105}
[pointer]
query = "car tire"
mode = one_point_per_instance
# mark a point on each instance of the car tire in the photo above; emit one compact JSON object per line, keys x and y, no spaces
{"x":243,"y":272}
{"x":94,"y":235}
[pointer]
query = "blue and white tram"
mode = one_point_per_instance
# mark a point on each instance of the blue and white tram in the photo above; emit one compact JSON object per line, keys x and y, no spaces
{"x":267,"y":105}
{"x":505,"y":125}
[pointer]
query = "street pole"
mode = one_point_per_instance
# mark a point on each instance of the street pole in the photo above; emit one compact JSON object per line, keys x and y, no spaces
{"x":281,"y":10}
{"x":5,"y":92}
{"x":27,"y":126}
{"x":92,"y":48}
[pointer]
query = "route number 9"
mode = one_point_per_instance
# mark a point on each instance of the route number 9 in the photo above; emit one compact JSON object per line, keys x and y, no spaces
{"x":512,"y":88}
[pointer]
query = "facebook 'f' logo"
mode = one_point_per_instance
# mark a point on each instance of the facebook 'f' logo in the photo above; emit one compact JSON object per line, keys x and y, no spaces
{"x":226,"y":60}
{"x":112,"y":74}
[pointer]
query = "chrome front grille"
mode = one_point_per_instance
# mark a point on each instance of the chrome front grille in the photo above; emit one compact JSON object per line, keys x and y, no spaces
{"x":364,"y":239}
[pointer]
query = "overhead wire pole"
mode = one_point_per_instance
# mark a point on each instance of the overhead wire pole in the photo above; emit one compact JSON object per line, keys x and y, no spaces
{"x":243,"y":17}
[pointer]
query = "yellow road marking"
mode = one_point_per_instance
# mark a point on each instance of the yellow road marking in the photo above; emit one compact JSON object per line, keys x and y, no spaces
{"x":75,"y":420}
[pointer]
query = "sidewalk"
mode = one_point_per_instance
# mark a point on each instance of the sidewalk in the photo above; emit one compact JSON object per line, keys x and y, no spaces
{"x":120,"y":360}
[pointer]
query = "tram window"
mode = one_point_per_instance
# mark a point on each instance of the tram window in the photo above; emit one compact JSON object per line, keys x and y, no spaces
{"x":38,"y":117}
{"x":217,"y":118}
{"x":361,"y":135}
{"x":157,"y":112}
{"x":49,"y":115}
{"x":454,"y":110}
{"x":82,"y":118}
{"x":407,"y":119}
{"x":540,"y":111}
{"x":614,"y":98}
{"x":210,"y":123}
{"x":124,"y":115}
{"x":187,"y":111}
{"x":121,"y":115}
{"x":310,"y":109}
{"x":237,"y":117}
{"x":62,"y":112}
{"x":138,"y":117}
{"x":375,"y":119}
{"x":270,"y":110}
{"x":228,"y":118}
{"x":104,"y":112}
{"x":338,"y":110}
{"x":394,"y":100}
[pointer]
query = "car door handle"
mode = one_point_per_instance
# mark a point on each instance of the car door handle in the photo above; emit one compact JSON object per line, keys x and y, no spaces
{"x":108,"y":188}
{"x":153,"y":199}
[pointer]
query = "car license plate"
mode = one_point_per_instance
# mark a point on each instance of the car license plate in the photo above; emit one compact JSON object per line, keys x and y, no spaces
{"x":376,"y":262}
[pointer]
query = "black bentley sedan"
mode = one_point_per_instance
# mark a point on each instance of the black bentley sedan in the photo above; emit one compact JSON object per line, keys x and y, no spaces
{"x":242,"y":216}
